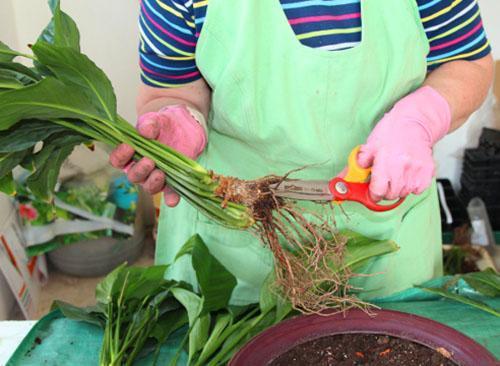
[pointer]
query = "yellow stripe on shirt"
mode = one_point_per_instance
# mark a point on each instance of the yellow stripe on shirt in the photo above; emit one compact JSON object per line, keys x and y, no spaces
{"x":163,"y":42}
{"x":200,"y":4}
{"x":171,"y":10}
{"x":457,"y":28}
{"x":442,"y":11}
{"x":328,"y":32}
{"x":461,"y":56}
{"x":158,"y":83}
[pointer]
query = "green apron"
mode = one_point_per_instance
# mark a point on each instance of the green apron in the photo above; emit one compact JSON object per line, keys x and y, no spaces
{"x":278,"y":105}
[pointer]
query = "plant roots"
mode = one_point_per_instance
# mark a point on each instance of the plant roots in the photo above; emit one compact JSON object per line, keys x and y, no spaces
{"x":307,"y":249}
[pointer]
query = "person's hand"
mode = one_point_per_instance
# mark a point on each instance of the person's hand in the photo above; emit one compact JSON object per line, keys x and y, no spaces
{"x":173,"y":126}
{"x":399,"y":149}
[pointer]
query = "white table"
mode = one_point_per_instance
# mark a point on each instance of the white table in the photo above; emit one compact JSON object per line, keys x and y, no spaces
{"x":11,"y":335}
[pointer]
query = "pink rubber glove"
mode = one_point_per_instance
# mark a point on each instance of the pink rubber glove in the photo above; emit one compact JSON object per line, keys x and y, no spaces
{"x":173,"y":126}
{"x":399,"y":149}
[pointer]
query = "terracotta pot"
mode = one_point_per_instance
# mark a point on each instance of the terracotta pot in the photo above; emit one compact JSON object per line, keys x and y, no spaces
{"x":279,"y":339}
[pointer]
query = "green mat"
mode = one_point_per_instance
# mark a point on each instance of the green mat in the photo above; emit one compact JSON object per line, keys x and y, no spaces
{"x":55,"y":340}
{"x":58,"y":341}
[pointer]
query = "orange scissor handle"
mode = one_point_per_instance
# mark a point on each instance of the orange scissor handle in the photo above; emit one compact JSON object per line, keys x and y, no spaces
{"x":355,"y":186}
{"x":343,"y":190}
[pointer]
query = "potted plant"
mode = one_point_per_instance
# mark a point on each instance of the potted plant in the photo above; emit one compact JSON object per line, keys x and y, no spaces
{"x":94,"y":223}
{"x":358,"y":338}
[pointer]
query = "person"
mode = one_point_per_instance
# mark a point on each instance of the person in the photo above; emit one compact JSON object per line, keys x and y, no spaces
{"x":255,"y":87}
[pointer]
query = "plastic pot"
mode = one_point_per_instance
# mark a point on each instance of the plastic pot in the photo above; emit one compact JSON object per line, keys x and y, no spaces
{"x":277,"y":340}
{"x":92,"y":258}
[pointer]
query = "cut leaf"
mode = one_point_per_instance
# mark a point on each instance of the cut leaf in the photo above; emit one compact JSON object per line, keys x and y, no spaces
{"x":215,"y":281}
{"x":214,"y":341}
{"x":46,"y":99}
{"x":463,"y":299}
{"x":70,"y":66}
{"x":486,"y":282}
{"x":361,"y":249}
{"x":20,"y":71}
{"x":61,"y":30}
{"x":146,"y":281}
{"x":191,"y":302}
{"x":89,"y":315}
{"x":27,"y":134}
{"x":268,"y":298}
{"x":283,"y":309}
{"x":187,"y":248}
{"x":198,"y":335}
{"x":104,"y":290}
{"x":168,"y":324}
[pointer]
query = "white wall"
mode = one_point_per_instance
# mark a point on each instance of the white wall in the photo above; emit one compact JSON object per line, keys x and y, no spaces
{"x":449,"y":151}
{"x":490,"y":12}
{"x":109,"y":36}
{"x":8,"y":33}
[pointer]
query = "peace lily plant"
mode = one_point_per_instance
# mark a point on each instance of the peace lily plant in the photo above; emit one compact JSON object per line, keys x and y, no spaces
{"x":63,"y":100}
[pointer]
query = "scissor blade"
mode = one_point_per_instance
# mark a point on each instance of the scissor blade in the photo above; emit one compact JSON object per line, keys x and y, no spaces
{"x":311,"y":190}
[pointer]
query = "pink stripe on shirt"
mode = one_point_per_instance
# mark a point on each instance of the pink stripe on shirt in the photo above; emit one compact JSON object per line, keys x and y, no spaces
{"x":322,"y":18}
{"x":163,"y":30}
{"x":459,"y":39}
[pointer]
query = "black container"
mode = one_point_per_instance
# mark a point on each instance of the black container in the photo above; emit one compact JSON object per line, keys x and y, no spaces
{"x":490,"y":140}
{"x":478,"y":164}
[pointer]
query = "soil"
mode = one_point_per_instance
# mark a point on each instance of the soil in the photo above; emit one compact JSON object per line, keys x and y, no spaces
{"x":362,"y":349}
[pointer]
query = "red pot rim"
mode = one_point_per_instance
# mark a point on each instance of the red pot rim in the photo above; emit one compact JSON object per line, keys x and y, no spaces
{"x":275,"y":341}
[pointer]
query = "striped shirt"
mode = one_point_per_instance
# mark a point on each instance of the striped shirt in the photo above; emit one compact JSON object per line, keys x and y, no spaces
{"x":170,"y":29}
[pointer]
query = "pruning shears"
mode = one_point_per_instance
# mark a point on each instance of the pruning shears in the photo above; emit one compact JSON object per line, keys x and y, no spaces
{"x":353,"y":187}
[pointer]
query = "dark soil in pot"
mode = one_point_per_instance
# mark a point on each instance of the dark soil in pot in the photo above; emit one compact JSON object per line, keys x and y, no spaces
{"x":361,"y":349}
{"x":355,"y":331}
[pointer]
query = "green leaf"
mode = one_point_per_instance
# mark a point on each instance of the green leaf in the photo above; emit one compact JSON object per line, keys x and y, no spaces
{"x":72,"y":67}
{"x":215,"y":281}
{"x":187,"y":248}
{"x":169,"y":323}
{"x":8,"y":81}
{"x":283,"y":309}
{"x":39,"y":249}
{"x":61,"y":30}
{"x":8,"y":161}
{"x":6,"y":54}
{"x":361,"y":249}
{"x":27,"y":134}
{"x":146,"y":281}
{"x":43,"y":180}
{"x":20,"y":71}
{"x":88,"y":315}
{"x":8,"y":185}
{"x":191,"y":302}
{"x":486,"y":282}
{"x":104,"y":290}
{"x":198,"y":335}
{"x":268,"y":298}
{"x":47,"y":99}
{"x":214,"y":341}
{"x":463,"y":299}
